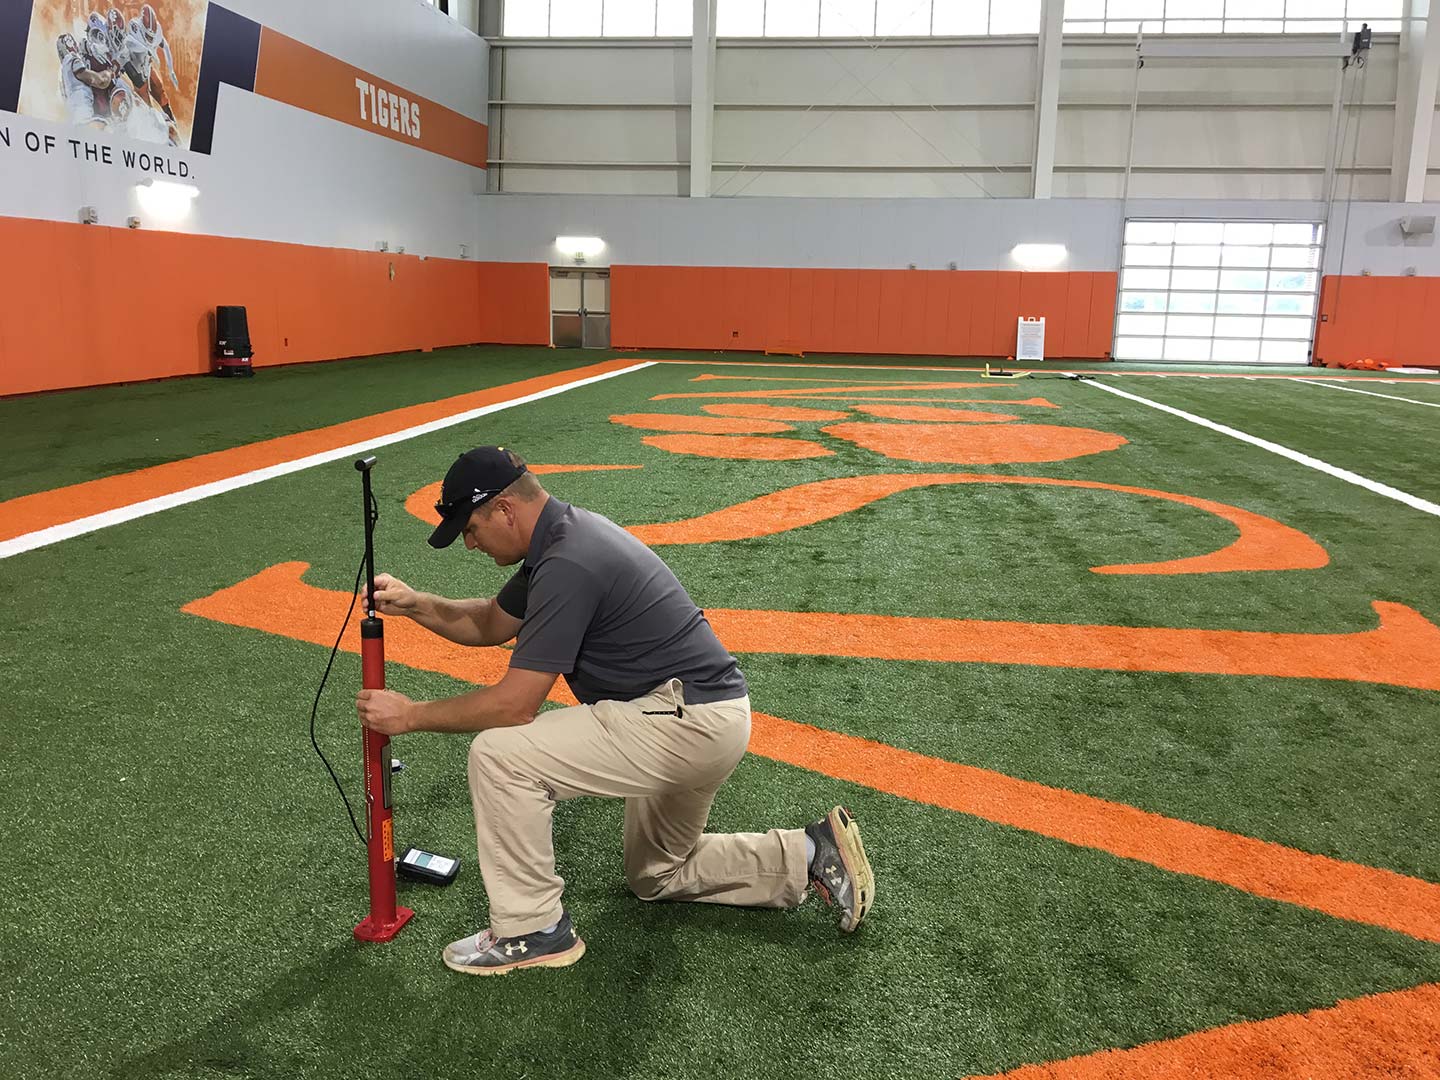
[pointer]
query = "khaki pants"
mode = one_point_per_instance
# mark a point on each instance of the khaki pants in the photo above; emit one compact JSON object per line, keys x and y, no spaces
{"x":667,"y":768}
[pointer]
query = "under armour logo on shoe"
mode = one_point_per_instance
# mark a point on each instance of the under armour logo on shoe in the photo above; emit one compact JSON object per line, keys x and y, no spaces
{"x":510,"y":950}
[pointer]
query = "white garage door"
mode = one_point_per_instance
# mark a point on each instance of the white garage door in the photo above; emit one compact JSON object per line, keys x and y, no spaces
{"x":1241,"y":292}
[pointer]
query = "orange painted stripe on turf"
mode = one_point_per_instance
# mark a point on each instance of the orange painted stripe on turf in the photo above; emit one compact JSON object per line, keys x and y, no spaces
{"x":739,"y":447}
{"x":1263,"y":544}
{"x":932,"y":414}
{"x":277,"y":601}
{"x":700,"y":425}
{"x":30,"y":513}
{"x":774,"y":412}
{"x":826,"y":391}
{"x":1346,"y":890}
{"x":879,"y":384}
{"x":851,"y":399}
{"x":1379,"y":1037}
{"x":1404,"y":650}
{"x":758,"y":410}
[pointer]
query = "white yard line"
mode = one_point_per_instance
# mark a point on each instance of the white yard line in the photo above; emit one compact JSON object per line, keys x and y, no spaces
{"x":81,"y":526}
{"x":1309,"y":462}
{"x":1370,"y":393}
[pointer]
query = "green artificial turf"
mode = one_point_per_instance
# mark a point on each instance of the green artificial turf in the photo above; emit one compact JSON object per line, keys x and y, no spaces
{"x":1392,"y":442}
{"x":186,"y":881}
{"x":51,"y":440}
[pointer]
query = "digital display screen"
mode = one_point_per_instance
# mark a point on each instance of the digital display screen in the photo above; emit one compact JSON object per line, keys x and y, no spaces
{"x":426,"y":861}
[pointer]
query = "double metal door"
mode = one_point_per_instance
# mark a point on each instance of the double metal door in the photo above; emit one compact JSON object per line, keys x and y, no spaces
{"x":579,"y":308}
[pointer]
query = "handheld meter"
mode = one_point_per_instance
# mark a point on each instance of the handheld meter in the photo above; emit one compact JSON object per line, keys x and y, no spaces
{"x":426,"y":866}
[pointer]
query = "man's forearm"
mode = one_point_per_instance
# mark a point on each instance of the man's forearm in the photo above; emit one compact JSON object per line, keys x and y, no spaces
{"x":478,"y":710}
{"x":456,"y":620}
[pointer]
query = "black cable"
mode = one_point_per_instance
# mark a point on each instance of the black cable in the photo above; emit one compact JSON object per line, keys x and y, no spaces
{"x":354,"y":595}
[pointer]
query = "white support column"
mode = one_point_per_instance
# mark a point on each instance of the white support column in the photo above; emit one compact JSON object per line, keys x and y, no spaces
{"x":702,"y":97}
{"x":1414,"y":102}
{"x":1047,"y":95}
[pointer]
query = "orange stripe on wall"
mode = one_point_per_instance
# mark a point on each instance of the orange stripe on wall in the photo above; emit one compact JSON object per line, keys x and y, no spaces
{"x":64,"y":323}
{"x":293,"y":72}
{"x":915,"y":312}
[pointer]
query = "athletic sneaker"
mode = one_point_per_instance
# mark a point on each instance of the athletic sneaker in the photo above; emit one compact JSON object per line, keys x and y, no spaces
{"x":486,"y":954}
{"x":840,"y":872}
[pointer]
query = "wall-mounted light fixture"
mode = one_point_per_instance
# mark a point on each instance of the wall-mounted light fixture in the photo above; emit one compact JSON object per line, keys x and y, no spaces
{"x":165,"y":200}
{"x":580,"y":248}
{"x":1038,"y":256}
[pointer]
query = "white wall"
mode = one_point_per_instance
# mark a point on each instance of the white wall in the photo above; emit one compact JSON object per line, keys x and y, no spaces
{"x":976,"y":234}
{"x":280,"y":173}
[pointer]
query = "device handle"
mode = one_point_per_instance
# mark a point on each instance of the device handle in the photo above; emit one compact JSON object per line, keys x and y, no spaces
{"x":364,"y":465}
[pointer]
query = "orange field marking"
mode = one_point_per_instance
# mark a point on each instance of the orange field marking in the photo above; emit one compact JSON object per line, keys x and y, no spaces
{"x":1342,"y":889}
{"x":31,"y":513}
{"x":1263,"y":544}
{"x":1404,"y":650}
{"x":1007,"y":403}
{"x":277,"y":601}
{"x":952,"y":443}
{"x":421,"y":504}
{"x":774,"y":412}
{"x":931,"y":413}
{"x":886,"y":385}
{"x":1380,"y":1037}
{"x":738,"y":447}
{"x":821,"y":391}
{"x":700,"y":425}
{"x":778,"y":378}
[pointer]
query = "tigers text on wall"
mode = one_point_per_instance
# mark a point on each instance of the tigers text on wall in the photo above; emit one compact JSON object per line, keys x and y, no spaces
{"x":388,"y":109}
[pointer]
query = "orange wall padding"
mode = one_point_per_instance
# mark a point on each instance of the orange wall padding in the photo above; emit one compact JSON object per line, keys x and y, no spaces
{"x":920,"y":312}
{"x":514,"y":303}
{"x":1390,"y":319}
{"x":86,"y":305}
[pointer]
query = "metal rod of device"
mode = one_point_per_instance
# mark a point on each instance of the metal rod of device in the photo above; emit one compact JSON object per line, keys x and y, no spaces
{"x":386,"y":917}
{"x":368,"y":499}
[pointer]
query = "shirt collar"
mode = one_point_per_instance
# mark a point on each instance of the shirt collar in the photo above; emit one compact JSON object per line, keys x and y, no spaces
{"x":540,"y":538}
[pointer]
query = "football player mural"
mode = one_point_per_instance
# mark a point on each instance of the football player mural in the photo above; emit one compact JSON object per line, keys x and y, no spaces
{"x":128,"y":69}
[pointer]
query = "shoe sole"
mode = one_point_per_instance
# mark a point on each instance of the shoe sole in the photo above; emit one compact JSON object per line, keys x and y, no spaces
{"x":857,"y":865}
{"x":550,"y":960}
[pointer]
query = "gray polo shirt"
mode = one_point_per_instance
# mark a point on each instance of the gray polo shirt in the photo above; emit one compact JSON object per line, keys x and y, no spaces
{"x":602,"y":609}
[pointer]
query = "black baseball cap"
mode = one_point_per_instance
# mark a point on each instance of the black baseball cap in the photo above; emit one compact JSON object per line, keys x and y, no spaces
{"x":476,"y":477}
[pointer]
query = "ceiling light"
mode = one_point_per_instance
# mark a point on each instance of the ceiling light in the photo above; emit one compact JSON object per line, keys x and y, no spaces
{"x":580,"y":248}
{"x":166,"y":201}
{"x":1038,"y":256}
